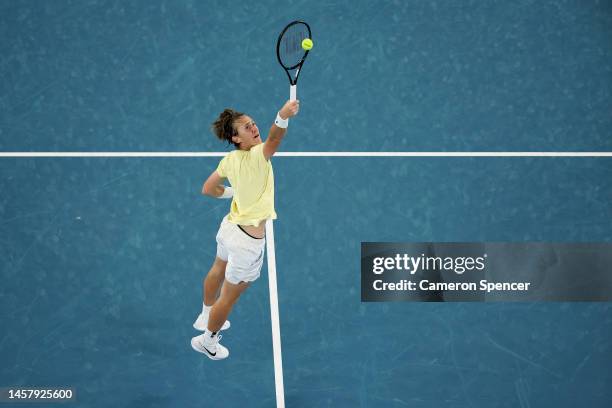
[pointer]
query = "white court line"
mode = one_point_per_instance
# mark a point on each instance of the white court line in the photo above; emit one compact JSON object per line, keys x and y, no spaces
{"x":310,"y":154}
{"x":275,"y":317}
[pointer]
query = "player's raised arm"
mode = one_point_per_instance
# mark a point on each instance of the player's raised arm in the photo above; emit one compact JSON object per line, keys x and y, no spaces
{"x":279,"y":128}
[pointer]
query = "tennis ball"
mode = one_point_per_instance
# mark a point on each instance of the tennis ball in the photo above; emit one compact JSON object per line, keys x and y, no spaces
{"x":307,"y":44}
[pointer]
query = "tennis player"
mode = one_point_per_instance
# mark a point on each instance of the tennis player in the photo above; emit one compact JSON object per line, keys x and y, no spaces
{"x":241,"y":236}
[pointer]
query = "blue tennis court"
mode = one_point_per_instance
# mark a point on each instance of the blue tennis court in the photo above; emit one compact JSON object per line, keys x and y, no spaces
{"x":103,"y":257}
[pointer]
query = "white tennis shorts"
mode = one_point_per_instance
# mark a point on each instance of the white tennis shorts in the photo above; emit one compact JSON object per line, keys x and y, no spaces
{"x":243,"y":253}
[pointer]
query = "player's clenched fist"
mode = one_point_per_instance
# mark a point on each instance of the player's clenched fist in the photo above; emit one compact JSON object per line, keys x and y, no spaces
{"x":290,"y":109}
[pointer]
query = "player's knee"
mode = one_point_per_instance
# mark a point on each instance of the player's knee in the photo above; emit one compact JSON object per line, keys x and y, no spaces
{"x":218,"y":269}
{"x":214,"y":274}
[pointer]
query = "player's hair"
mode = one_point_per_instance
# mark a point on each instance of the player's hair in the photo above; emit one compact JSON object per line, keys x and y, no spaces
{"x":223,"y":127}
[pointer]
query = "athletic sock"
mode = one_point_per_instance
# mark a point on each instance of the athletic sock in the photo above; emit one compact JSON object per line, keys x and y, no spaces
{"x":206,"y":309}
{"x":209,"y":335}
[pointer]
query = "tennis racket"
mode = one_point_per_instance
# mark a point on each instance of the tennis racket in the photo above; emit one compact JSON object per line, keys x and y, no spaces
{"x":290,"y":53}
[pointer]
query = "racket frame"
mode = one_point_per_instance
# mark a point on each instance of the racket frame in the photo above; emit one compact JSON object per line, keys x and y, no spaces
{"x":298,"y":66}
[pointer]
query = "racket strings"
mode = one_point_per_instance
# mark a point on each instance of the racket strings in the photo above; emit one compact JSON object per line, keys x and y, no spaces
{"x":290,"y":51}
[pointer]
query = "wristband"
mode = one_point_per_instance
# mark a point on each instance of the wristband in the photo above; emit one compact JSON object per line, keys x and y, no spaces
{"x":280,"y":122}
{"x":228,"y":192}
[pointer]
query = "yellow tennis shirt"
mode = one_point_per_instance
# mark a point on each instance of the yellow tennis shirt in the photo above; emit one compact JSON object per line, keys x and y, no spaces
{"x":252,"y":179}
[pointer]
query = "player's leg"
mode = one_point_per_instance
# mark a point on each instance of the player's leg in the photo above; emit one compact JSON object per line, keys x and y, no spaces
{"x":230,"y":293}
{"x":213,"y":281}
{"x":210,"y":289}
{"x":208,"y":342}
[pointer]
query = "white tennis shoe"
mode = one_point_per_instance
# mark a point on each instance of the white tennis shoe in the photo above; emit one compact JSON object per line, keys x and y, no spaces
{"x":201,"y":323}
{"x":209,"y":345}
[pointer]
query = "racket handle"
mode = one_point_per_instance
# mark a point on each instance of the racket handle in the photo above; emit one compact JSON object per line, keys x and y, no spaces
{"x":293,"y":93}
